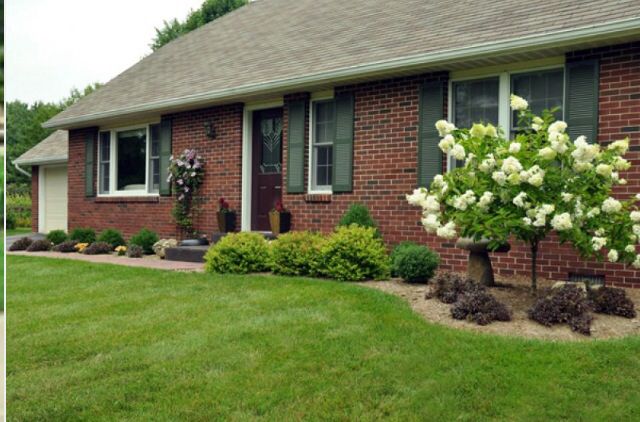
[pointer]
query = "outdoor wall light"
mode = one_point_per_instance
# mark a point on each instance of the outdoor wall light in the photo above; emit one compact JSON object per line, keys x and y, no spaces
{"x":209,"y":130}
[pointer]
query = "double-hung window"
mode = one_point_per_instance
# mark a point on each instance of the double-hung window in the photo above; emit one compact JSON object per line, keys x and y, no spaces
{"x":322,"y":137}
{"x":129,"y":161}
{"x":486,"y":99}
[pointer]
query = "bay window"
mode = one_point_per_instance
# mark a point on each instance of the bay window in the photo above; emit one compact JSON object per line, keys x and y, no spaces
{"x":129,"y":161}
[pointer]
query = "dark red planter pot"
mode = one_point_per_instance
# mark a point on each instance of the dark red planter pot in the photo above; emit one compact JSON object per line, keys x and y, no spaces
{"x":280,"y":222}
{"x":226,"y":221}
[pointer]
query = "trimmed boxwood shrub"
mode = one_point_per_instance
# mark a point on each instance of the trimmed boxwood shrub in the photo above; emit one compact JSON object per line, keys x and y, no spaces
{"x":112,"y":237}
{"x":480,"y":307}
{"x":145,"y":238}
{"x":21,"y":244}
{"x":564,"y":305}
{"x":612,"y":301}
{"x":66,"y":247}
{"x":414,"y":263}
{"x":358,"y":214}
{"x":135,"y":251}
{"x":98,"y":248}
{"x":238,"y":253}
{"x":297,"y":253}
{"x":83,"y":235}
{"x":41,"y":245}
{"x":355,"y":253}
{"x":56,"y":236}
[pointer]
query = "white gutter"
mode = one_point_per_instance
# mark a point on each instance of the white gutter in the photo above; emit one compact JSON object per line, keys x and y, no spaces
{"x":21,"y":170}
{"x":562,"y":38}
{"x":39,"y":161}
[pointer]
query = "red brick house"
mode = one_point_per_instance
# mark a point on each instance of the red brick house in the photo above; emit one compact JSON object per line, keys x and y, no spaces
{"x":350,"y":92}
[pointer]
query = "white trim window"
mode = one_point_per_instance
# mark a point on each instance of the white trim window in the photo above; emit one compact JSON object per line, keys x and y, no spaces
{"x":128,"y":161}
{"x":485,"y":98}
{"x":322,"y":125}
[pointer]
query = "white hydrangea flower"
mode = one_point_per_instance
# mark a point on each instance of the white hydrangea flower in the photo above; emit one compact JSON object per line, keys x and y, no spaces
{"x":630,"y":249}
{"x":621,"y":164}
{"x":636,"y":263}
{"x":581,"y":167}
{"x":458,"y":152}
{"x":636,"y":230}
{"x":446,"y":143}
{"x":600,"y":232}
{"x":638,"y":197}
{"x":519,"y":200}
{"x":635,"y":216}
{"x":444,"y":127}
{"x":485,"y":200}
{"x":518,"y":103}
{"x":611,"y":205}
{"x":566,"y":197}
{"x":431,"y":223}
{"x":558,"y":126}
{"x":448,"y":231}
{"x":598,"y":243}
{"x":514,"y":147}
{"x":604,"y":170}
{"x":537,"y":123}
{"x":562,"y":222}
{"x":499,"y":177}
{"x":593,"y":212}
{"x":547,"y":153}
{"x":431,"y":204}
{"x":511,"y":165}
{"x":491,"y":131}
{"x":527,"y":221}
{"x":514,"y":179}
{"x":613,"y":255}
{"x":463,"y":201}
{"x":585,"y":152}
{"x":619,"y":147}
{"x":478,"y":130}
{"x":418,"y":197}
{"x":487,"y":164}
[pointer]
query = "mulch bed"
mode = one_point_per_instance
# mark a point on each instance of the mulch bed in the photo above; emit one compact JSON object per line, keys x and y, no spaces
{"x":516,"y":294}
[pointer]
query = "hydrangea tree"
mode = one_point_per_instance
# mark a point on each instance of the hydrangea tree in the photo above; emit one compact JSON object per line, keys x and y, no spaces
{"x":526,"y":187}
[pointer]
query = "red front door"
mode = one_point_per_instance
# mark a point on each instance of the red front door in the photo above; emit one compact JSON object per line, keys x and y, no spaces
{"x":266,"y":167}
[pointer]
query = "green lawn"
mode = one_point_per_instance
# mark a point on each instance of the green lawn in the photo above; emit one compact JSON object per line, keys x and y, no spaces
{"x":100,"y":342}
{"x":19,"y":230}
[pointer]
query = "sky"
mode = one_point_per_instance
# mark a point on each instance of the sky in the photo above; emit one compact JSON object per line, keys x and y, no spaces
{"x":52,"y":46}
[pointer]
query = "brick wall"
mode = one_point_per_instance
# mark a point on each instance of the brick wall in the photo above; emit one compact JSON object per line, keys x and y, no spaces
{"x":35,"y":174}
{"x":223,"y":166}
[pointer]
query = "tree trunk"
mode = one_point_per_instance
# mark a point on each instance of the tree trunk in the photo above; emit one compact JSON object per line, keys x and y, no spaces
{"x":534,"y":265}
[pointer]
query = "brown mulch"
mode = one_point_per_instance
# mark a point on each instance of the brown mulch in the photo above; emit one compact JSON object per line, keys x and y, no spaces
{"x":516,"y":294}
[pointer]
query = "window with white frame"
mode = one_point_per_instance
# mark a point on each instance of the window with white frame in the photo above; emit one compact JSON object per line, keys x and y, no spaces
{"x":129,"y":161}
{"x":485,"y":99}
{"x":322,"y":137}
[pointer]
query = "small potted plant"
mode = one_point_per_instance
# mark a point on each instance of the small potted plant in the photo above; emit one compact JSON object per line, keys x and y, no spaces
{"x":226,"y":217}
{"x":279,"y":219}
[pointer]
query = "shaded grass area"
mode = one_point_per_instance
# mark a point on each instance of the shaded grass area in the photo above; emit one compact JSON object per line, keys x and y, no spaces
{"x":102,"y":342}
{"x":19,"y":230}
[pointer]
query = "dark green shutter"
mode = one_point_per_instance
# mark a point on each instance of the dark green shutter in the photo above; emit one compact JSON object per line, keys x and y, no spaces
{"x":295,"y":147}
{"x":343,"y":144}
{"x":89,"y":164}
{"x":431,"y":109}
{"x":165,"y":155}
{"x":581,"y":99}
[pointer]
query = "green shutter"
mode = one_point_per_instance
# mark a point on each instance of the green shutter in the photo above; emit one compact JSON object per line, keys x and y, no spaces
{"x":89,"y":164}
{"x":165,"y":155}
{"x":295,"y":147}
{"x":343,"y":144}
{"x":431,"y":109}
{"x":581,"y":99}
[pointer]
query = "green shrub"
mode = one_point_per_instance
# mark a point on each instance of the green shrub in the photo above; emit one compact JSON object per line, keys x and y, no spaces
{"x":41,"y":245}
{"x":66,"y":247}
{"x":57,"y":236}
{"x":355,"y":253}
{"x":145,"y":238}
{"x":98,"y":248}
{"x":83,"y":235}
{"x":358,"y":214}
{"x":395,"y":251}
{"x":135,"y":251}
{"x":297,"y":253}
{"x":414,"y":263}
{"x":10,"y":221}
{"x":238,"y":253}
{"x":21,"y":244}
{"x":112,"y":237}
{"x":19,"y":209}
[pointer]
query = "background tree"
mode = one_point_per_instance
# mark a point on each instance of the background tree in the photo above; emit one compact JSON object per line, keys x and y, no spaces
{"x":209,"y":11}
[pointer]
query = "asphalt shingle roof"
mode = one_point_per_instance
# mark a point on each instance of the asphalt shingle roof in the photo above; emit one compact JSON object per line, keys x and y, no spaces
{"x":53,"y":148}
{"x":275,"y":40}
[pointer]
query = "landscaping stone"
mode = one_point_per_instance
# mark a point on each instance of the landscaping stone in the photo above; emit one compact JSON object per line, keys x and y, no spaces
{"x":161,"y":245}
{"x":479,"y":266}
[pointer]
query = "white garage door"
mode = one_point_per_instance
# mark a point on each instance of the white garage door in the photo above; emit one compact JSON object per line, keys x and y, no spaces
{"x":54,"y":198}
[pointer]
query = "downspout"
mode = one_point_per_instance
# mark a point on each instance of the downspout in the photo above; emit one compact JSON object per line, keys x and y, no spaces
{"x":21,"y":170}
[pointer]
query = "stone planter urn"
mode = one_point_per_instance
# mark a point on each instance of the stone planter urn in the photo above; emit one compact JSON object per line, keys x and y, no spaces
{"x":479,"y":267}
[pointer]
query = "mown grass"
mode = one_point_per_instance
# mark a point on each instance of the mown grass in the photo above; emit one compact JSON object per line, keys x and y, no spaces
{"x":101,"y":342}
{"x":19,"y":230}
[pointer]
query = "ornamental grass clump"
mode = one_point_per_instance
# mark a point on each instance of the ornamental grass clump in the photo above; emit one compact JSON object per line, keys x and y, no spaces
{"x":238,"y":253}
{"x":21,"y":244}
{"x":297,"y":253}
{"x":612,"y":301}
{"x":355,"y":253}
{"x":524,"y":188}
{"x":564,"y":305}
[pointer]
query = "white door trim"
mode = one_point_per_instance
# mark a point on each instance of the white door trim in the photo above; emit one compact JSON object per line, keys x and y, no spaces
{"x":247,"y":125}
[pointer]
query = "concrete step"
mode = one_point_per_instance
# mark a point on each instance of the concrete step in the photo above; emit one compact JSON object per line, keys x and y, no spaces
{"x":196,"y":253}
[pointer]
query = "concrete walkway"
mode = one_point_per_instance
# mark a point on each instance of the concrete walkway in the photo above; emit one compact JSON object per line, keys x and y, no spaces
{"x":151,"y":261}
{"x":35,"y":236}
